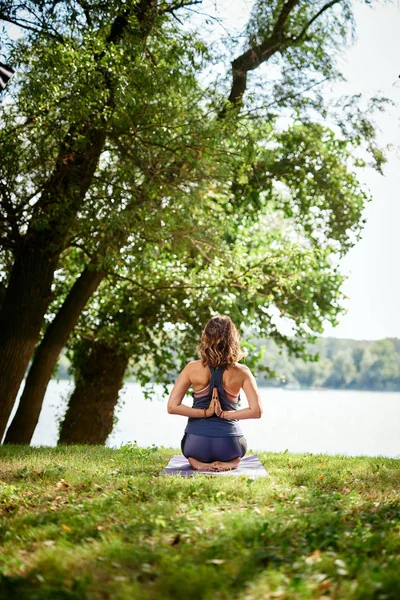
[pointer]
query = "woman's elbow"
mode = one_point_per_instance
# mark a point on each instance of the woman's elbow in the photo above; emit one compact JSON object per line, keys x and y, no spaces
{"x":170,"y":409}
{"x":259,"y":412}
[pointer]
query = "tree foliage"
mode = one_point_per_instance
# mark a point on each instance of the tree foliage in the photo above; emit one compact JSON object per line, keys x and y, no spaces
{"x":194,"y":194}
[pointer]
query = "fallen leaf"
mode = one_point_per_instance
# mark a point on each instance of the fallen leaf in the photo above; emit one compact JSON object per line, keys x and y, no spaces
{"x":320,"y":577}
{"x":315,"y":557}
{"x":66,"y":528}
{"x":99,"y":527}
{"x":340,"y":563}
{"x":49,"y":543}
{"x":325,"y":585}
{"x":321,"y":476}
{"x":62,"y":484}
{"x":176,"y":540}
{"x":216,"y":561}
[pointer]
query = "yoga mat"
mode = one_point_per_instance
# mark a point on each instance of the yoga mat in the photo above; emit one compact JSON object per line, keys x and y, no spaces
{"x":249,"y":466}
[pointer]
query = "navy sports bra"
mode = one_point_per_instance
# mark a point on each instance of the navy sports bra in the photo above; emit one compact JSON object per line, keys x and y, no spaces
{"x":214,"y":426}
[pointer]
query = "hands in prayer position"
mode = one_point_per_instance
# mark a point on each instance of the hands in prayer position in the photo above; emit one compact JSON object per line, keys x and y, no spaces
{"x":214,"y":406}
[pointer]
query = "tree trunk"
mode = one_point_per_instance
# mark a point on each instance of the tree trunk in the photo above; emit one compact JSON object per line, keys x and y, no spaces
{"x":29,"y":290}
{"x":90,"y":415}
{"x":27,"y":416}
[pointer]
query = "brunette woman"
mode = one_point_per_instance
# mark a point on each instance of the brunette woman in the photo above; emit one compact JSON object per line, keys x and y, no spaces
{"x":213,"y":440}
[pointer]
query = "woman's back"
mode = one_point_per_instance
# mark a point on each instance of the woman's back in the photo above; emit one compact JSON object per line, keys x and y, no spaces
{"x":214,"y":426}
{"x":233,"y":377}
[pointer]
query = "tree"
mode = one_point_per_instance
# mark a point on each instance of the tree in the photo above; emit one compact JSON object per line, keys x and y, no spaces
{"x":74,"y":127}
{"x":155,"y":320}
{"x":45,"y":359}
{"x":61,"y":193}
{"x":99,"y":92}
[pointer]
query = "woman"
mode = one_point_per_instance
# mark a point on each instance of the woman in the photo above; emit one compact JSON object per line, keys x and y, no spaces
{"x":213,"y":440}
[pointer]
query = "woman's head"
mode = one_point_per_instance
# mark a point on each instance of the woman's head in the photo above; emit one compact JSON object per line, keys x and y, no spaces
{"x":219,"y":345}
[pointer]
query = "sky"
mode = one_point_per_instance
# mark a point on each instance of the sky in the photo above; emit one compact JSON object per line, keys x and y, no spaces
{"x":372,"y":265}
{"x":372,"y":268}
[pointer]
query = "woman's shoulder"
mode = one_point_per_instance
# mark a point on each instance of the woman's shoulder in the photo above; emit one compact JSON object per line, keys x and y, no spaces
{"x":240,"y":372}
{"x":240,"y":368}
{"x":194,"y":365}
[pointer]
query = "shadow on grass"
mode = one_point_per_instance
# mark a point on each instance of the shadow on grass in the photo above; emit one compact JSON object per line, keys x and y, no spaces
{"x":345,"y":542}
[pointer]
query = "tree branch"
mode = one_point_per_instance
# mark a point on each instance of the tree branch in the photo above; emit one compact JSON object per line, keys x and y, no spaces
{"x":250,"y":114}
{"x":285,"y":12}
{"x":178,"y":5}
{"x":326,"y":7}
{"x":23,"y":24}
{"x":86,"y":12}
{"x":260,"y":53}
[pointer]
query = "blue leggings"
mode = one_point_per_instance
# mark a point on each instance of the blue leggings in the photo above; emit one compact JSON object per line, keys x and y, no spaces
{"x":207,"y":449}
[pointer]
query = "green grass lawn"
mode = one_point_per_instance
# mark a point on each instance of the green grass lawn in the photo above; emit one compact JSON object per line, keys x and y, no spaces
{"x":83,"y":522}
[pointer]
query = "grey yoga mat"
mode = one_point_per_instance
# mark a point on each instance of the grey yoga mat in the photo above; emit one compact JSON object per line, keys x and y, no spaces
{"x":249,"y":466}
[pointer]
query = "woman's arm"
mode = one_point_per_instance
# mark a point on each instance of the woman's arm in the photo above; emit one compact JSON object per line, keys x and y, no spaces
{"x":175,"y":406}
{"x":250,"y":388}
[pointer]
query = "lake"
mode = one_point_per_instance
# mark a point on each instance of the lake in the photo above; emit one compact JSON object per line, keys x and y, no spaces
{"x":326,"y":421}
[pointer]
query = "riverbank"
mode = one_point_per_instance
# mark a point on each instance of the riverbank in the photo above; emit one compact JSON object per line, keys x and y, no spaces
{"x":86,"y":522}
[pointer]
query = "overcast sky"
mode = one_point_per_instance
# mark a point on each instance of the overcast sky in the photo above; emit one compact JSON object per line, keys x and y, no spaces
{"x":373,"y":285}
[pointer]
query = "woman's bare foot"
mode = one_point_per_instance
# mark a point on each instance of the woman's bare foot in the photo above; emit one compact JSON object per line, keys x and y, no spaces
{"x":200,"y":466}
{"x":219,"y":465}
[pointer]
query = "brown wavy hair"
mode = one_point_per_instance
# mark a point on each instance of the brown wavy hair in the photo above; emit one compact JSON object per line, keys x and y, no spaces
{"x":219,"y":344}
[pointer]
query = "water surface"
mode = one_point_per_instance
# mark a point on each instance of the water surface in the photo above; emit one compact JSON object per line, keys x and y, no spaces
{"x":334,"y":421}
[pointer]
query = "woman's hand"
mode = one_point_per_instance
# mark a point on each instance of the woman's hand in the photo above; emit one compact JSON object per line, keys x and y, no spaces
{"x":217,"y":404}
{"x":210,"y":411}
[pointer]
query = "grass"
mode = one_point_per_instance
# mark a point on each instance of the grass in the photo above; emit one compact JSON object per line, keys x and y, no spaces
{"x":82,"y":522}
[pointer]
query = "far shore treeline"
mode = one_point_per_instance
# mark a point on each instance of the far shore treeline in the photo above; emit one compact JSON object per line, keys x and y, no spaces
{"x":342,"y":364}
